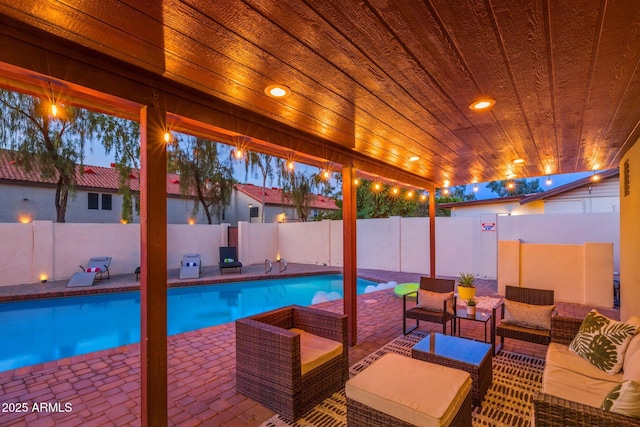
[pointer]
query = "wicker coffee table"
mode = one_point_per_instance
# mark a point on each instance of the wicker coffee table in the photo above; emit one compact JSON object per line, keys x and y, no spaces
{"x":472,"y":356}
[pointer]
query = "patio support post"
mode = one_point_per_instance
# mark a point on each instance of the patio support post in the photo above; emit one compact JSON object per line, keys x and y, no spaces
{"x":432,"y":232}
{"x":153,"y":266}
{"x":350,"y":269}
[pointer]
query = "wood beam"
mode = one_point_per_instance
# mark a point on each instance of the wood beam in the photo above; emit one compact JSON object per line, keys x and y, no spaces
{"x":432,"y":232}
{"x":350,"y":269}
{"x":153,"y":278}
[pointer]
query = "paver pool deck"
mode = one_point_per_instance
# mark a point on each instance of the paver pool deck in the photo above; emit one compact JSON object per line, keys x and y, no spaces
{"x":103,"y":388}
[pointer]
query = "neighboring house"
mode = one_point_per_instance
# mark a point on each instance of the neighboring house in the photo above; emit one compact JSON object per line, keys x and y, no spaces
{"x":25,"y":197}
{"x":580,"y":196}
{"x":276,"y":208}
{"x":501,"y":205}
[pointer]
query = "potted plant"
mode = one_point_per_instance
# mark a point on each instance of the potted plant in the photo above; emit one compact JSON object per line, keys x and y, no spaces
{"x":471,"y":306}
{"x":466,"y":289}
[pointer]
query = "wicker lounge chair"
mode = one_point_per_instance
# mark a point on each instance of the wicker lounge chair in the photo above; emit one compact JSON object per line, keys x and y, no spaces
{"x":528,"y":296}
{"x":418,"y":313}
{"x":268,"y":359}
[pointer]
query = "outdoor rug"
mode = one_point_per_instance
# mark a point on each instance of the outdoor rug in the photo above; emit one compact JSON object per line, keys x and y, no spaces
{"x":508,"y":402}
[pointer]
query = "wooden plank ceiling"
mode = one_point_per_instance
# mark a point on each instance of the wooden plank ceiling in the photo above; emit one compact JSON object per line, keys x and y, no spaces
{"x":389,"y":80}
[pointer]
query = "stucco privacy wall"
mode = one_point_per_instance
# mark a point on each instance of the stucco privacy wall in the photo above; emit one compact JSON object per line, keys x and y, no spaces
{"x":256,"y":242}
{"x":630,"y":240}
{"x":395,"y":244}
{"x":564,"y":229}
{"x":16,"y":253}
{"x":581,"y":274}
{"x":304,"y":242}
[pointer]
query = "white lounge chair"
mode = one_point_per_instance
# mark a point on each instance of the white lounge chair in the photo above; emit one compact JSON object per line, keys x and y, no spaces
{"x":191,"y":266}
{"x":95,"y":270}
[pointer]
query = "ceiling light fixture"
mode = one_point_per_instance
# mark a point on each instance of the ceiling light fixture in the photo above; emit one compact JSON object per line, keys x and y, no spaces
{"x":511,"y":175}
{"x":277,"y":91}
{"x":414,"y":158}
{"x":518,"y":161}
{"x":482,"y":104}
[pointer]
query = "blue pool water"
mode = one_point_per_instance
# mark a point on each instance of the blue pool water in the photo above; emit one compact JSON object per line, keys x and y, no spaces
{"x":37,"y":331}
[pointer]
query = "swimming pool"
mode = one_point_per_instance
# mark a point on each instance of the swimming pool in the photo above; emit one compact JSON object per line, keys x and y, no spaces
{"x":37,"y":331}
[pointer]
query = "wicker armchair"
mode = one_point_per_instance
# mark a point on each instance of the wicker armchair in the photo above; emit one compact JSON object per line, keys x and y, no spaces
{"x":527,"y":296}
{"x":553,"y":411}
{"x":436,"y":316}
{"x":268,"y":359}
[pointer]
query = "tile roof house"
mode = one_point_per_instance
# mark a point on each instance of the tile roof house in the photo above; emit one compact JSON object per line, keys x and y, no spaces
{"x":275,"y":204}
{"x":26,"y":196}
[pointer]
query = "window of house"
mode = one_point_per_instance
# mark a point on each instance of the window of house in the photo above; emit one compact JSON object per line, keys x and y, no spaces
{"x":93,"y":200}
{"x":106,"y":202}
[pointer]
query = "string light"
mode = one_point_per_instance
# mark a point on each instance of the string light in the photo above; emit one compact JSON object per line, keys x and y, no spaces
{"x":326,"y":174}
{"x":510,"y":185}
{"x":409,"y":194}
{"x":423,"y":197}
{"x":445,"y":191}
{"x":54,"y":109}
{"x":167,"y":136}
{"x":356,"y":182}
{"x":238,"y":154}
{"x":394,"y":191}
{"x":290,"y":165}
{"x":475,"y":188}
{"x":549,"y":182}
{"x":376,"y":186}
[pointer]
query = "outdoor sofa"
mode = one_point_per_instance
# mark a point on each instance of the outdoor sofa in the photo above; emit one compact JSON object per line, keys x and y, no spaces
{"x":573,"y":389}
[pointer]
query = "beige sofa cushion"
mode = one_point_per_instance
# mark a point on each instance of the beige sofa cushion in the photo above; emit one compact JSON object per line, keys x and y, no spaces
{"x":414,"y":391}
{"x":559,"y":355}
{"x":575,"y":387}
{"x":315,"y":350}
{"x":631,"y":365}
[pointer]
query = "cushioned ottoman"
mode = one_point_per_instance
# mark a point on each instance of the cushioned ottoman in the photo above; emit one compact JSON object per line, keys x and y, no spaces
{"x":401,"y":391}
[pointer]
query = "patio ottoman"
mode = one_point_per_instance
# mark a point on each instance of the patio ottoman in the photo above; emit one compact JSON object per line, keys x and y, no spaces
{"x":401,"y":391}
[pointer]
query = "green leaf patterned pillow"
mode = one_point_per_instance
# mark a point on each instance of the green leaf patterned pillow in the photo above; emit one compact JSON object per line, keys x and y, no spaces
{"x":624,"y":399}
{"x":603,"y":341}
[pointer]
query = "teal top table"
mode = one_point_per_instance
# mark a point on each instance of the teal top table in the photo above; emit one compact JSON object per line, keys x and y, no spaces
{"x":468,"y":355}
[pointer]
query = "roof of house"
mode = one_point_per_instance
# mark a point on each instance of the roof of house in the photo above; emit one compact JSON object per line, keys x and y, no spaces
{"x":88,"y":176}
{"x":610,"y":173}
{"x":104,"y":178}
{"x":449,"y":205}
{"x":273,"y":196}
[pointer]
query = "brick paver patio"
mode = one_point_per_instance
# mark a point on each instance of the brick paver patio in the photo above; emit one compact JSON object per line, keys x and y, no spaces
{"x":102,"y":388}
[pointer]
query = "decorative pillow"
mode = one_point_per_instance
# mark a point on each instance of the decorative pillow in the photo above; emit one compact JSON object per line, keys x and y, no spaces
{"x":228,"y":260}
{"x":434,"y":301}
{"x":603,"y":341}
{"x":528,"y":315}
{"x":624,"y":399}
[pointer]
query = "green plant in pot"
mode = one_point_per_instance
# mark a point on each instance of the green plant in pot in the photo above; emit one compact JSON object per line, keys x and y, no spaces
{"x":466,"y":288}
{"x":471,"y":306}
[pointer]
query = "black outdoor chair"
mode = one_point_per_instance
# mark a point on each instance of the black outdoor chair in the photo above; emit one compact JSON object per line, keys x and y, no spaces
{"x":443,"y":313}
{"x":229,"y":259}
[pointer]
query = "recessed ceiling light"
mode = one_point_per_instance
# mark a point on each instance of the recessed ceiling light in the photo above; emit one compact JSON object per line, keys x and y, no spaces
{"x":482,"y":104}
{"x":277,"y":91}
{"x":414,"y":158}
{"x":518,"y":161}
